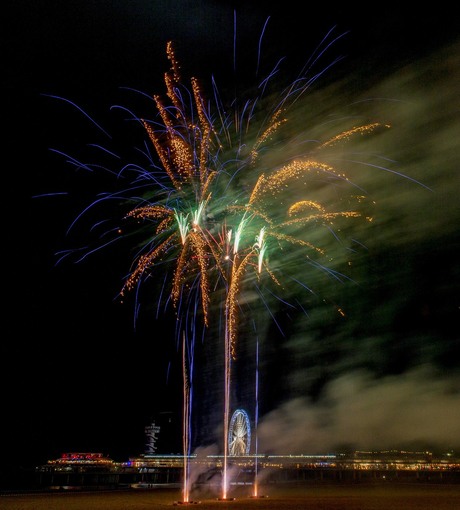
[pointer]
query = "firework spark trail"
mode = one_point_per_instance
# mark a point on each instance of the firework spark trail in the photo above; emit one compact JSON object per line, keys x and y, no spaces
{"x":186,"y":404}
{"x":221,"y":218}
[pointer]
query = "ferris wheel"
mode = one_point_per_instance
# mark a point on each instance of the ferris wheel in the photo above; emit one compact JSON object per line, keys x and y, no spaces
{"x":239,"y":433}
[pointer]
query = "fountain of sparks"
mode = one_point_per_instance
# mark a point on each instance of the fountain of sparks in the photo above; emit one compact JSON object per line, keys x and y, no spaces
{"x":255,"y":493}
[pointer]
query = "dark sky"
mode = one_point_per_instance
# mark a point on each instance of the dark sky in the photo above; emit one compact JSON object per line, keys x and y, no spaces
{"x":77,"y":375}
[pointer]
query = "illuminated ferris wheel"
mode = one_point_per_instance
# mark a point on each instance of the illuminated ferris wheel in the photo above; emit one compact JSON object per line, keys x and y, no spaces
{"x":239,"y":433}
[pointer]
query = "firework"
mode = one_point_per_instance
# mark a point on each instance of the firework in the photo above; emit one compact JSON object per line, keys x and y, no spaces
{"x":222,"y":216}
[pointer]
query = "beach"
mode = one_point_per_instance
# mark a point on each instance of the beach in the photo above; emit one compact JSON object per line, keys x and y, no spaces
{"x":379,"y":496}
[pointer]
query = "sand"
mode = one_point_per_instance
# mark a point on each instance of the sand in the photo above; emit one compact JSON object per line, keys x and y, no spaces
{"x":384,"y":496}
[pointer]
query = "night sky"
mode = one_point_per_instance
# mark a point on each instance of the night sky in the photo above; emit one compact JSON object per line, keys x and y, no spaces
{"x":78,"y":374}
